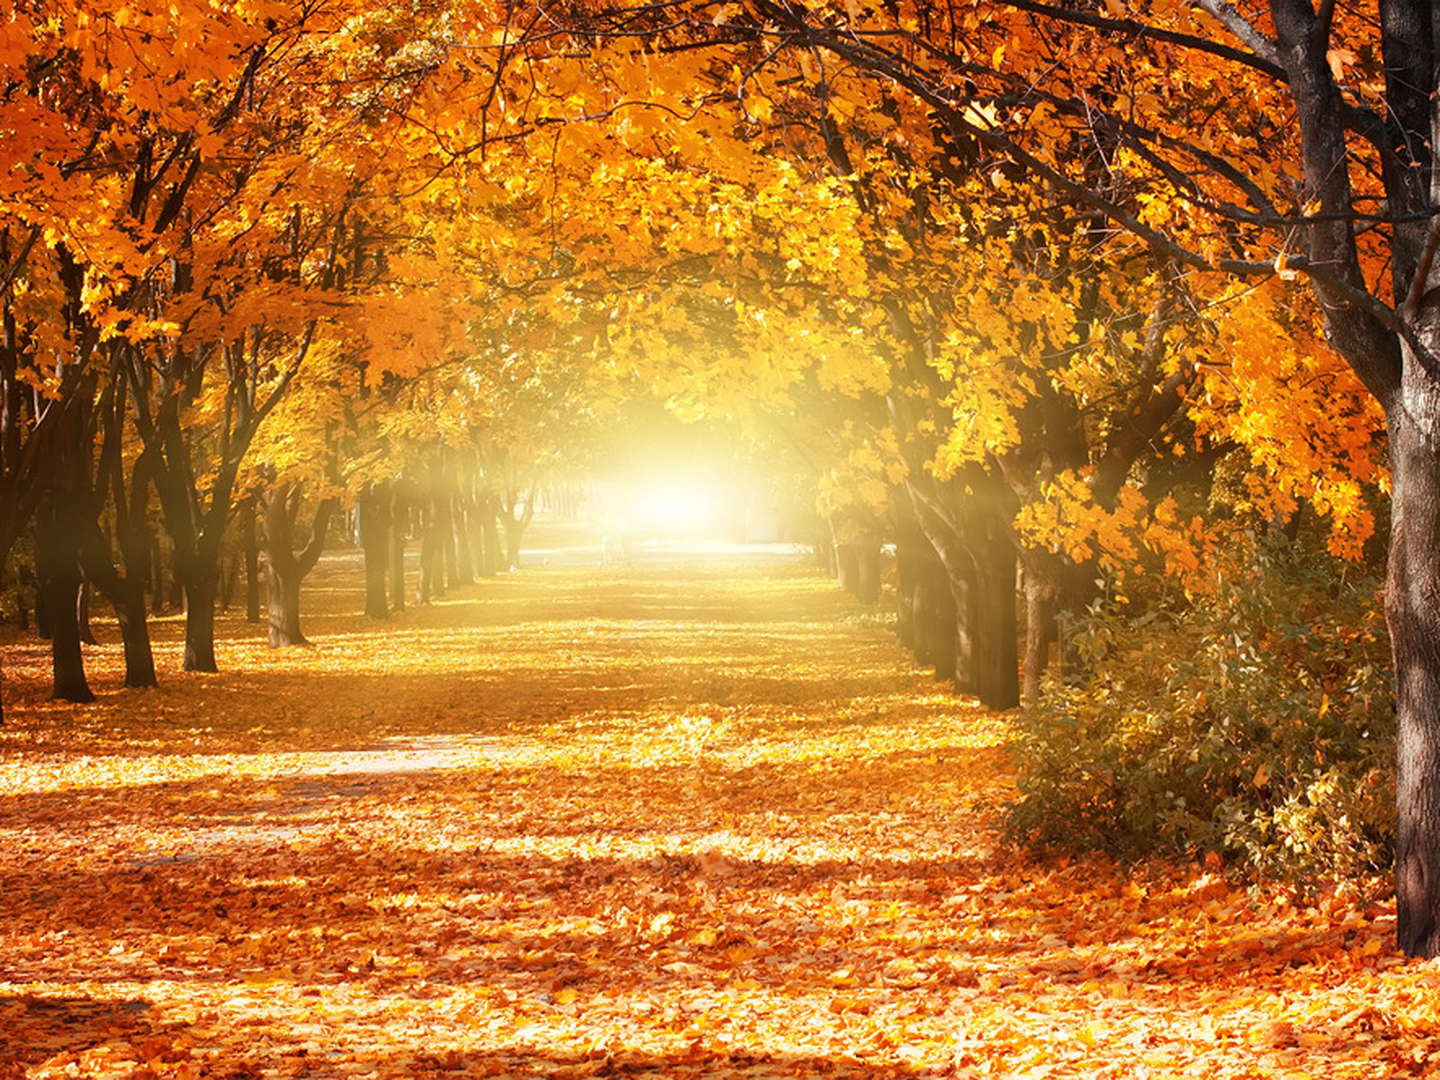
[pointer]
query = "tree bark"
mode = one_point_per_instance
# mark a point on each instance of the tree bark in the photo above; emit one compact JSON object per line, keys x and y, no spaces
{"x":398,"y":517}
{"x":490,"y":534}
{"x":373,"y":516}
{"x":130,"y":612}
{"x":1044,"y":576}
{"x":250,"y":546}
{"x":199,"y":583}
{"x":1412,"y":608}
{"x":57,"y":565}
{"x":464,"y":557}
{"x":287,"y":569}
{"x":432,"y":569}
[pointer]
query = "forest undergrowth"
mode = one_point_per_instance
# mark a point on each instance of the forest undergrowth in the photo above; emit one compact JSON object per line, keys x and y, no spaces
{"x":670,"y":820}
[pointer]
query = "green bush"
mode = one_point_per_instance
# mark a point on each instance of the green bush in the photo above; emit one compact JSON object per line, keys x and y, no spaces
{"x":1256,"y":723}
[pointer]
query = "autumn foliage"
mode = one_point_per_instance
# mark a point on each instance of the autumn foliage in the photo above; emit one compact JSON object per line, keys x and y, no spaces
{"x":696,"y":822}
{"x":1091,"y":347}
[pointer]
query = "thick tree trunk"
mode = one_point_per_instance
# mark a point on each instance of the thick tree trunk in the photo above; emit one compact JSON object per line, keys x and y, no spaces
{"x":1412,"y":608}
{"x":373,"y":514}
{"x":283,"y":605}
{"x":1044,"y":575}
{"x":935,"y":621}
{"x":287,"y":569}
{"x":995,"y":661}
{"x":199,"y":585}
{"x":130,"y":611}
{"x":60,"y":584}
{"x":57,"y":568}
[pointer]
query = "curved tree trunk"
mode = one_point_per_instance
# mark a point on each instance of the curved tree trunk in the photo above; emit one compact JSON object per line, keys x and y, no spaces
{"x":287,"y":569}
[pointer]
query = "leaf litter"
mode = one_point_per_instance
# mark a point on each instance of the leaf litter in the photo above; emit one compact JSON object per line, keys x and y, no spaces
{"x":693,"y":821}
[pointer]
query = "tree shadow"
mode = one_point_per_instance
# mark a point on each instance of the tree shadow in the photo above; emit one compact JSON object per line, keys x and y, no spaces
{"x":37,"y":1027}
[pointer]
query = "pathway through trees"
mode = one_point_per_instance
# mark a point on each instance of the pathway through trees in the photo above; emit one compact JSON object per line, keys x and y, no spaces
{"x":646,"y":820}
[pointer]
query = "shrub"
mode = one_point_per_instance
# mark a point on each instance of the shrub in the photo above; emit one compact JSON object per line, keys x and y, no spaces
{"x":1256,"y":723}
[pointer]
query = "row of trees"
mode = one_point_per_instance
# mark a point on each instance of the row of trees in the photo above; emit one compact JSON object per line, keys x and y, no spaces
{"x":1022,"y":287}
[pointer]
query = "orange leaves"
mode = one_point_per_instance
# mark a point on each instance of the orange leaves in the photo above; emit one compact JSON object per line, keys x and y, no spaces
{"x":706,"y":823}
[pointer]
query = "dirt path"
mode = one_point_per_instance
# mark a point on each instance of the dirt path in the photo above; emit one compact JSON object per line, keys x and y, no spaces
{"x":657,"y":820}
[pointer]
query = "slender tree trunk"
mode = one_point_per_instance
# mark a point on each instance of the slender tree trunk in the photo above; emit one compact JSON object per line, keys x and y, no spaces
{"x":464,"y":560}
{"x":398,"y":517}
{"x":250,"y":556}
{"x":935,"y":621}
{"x":513,"y":531}
{"x":490,"y":535}
{"x":82,"y":613}
{"x":444,"y":521}
{"x":432,"y":568}
{"x":373,"y":515}
{"x":157,"y":576}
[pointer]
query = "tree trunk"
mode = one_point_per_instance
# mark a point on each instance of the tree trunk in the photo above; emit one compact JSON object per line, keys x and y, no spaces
{"x":464,"y":557}
{"x":1044,"y":575}
{"x":373,"y":516}
{"x":130,"y":612}
{"x":283,"y":596}
{"x":1412,"y":609}
{"x":432,"y":569}
{"x":444,"y":510}
{"x":397,"y":550}
{"x":847,"y":566}
{"x":157,"y":576}
{"x":82,"y":613}
{"x":935,"y":621}
{"x":57,"y":565}
{"x":199,"y":585}
{"x":513,"y":531}
{"x":490,"y":534}
{"x":287,"y":569}
{"x":250,"y":545}
{"x":995,"y":661}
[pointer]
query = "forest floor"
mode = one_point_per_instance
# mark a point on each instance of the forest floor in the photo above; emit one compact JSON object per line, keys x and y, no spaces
{"x":684,"y":818}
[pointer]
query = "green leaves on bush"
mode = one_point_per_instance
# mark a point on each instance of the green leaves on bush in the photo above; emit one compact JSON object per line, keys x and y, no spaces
{"x":1256,"y":723}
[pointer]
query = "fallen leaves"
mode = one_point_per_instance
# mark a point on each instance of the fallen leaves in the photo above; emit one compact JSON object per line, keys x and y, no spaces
{"x":681,"y":824}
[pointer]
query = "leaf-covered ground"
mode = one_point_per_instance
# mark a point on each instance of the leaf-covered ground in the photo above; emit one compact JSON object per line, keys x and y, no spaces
{"x":658,"y":820}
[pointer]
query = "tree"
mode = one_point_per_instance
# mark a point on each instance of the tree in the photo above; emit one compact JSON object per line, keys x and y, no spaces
{"x":1021,"y":86}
